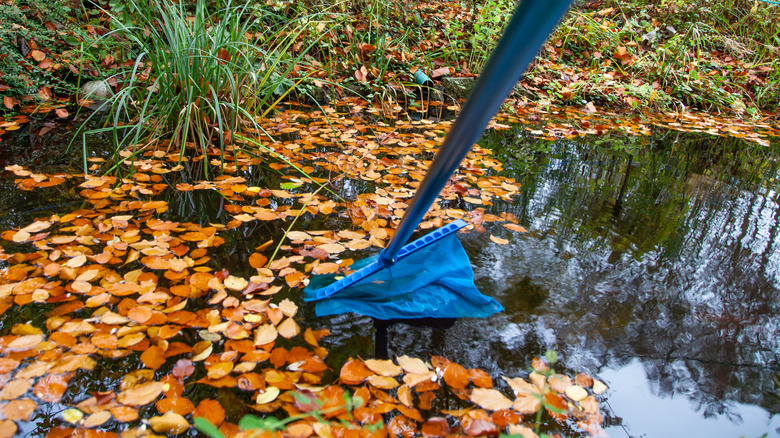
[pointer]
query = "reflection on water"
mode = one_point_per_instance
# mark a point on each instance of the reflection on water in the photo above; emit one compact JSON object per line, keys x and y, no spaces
{"x":656,"y":270}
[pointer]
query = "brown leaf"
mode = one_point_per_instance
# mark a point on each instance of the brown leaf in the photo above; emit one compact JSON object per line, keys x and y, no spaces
{"x":96,"y":419}
{"x":19,"y":410}
{"x":498,"y":240}
{"x":288,"y":329}
{"x":50,"y":388}
{"x":15,"y":389}
{"x":527,"y":404}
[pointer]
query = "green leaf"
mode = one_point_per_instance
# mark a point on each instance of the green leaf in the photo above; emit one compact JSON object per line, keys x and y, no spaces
{"x":551,"y":356}
{"x":290,"y":185}
{"x":207,"y":428}
{"x":250,"y":422}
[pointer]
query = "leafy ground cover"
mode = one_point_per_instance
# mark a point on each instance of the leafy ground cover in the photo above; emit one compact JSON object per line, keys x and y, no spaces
{"x":639,"y":56}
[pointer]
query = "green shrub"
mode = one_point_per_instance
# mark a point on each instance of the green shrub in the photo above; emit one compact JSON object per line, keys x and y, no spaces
{"x":198,"y":78}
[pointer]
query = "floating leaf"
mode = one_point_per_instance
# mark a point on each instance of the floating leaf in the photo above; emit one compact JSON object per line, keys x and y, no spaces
{"x":498,"y":240}
{"x":481,"y":428}
{"x":490,"y":399}
{"x":265,"y":334}
{"x":354,"y":372}
{"x":383,"y":367}
{"x":72,"y":415}
{"x":170,"y":423}
{"x":97,"y":419}
{"x":412,"y":365}
{"x":456,"y":376}
{"x":268,"y":395}
{"x":576,"y":392}
{"x":141,"y":395}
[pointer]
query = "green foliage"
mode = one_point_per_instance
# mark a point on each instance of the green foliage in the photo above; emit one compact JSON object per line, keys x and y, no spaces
{"x":671,"y":53}
{"x":489,"y":22}
{"x":47,"y":26}
{"x":198,"y":77}
{"x":270,"y":423}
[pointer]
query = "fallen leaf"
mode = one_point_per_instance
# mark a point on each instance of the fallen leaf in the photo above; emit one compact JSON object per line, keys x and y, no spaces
{"x":170,"y":422}
{"x":383,"y":367}
{"x":141,"y":395}
{"x":412,"y":365}
{"x":490,"y":399}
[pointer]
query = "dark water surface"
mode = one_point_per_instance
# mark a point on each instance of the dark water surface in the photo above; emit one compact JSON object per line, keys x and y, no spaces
{"x":654,"y":268}
{"x":652,"y":263}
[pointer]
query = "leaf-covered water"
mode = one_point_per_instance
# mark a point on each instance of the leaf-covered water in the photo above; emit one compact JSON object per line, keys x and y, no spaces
{"x":646,"y":257}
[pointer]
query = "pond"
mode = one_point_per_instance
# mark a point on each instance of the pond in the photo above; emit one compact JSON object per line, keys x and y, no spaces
{"x":656,"y":270}
{"x":650,"y":262}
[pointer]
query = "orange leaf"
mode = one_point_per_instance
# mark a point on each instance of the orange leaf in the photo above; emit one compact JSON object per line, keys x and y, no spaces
{"x":265,"y":334}
{"x":383,"y":367}
{"x":210,"y":410}
{"x":50,"y":388}
{"x":435,"y":427}
{"x":19,"y":410}
{"x":38,"y":55}
{"x":288,"y":329}
{"x":480,"y":428}
{"x":153,"y":357}
{"x":180,"y":405}
{"x":257,"y":260}
{"x":456,"y":376}
{"x":498,"y":240}
{"x":220,"y":370}
{"x":295,"y":278}
{"x":140,"y":314}
{"x":354,"y":372}
{"x":480,"y":378}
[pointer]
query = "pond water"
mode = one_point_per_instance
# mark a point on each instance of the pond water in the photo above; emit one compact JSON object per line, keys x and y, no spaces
{"x":656,"y":270}
{"x":651,"y":262}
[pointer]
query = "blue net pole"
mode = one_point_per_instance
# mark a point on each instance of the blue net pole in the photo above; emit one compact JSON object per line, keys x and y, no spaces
{"x":532,"y":22}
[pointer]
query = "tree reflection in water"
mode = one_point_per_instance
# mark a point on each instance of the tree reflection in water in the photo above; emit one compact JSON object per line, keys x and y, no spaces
{"x":663,"y":249}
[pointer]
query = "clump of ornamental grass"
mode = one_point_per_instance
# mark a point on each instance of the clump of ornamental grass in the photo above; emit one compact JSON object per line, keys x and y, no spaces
{"x":197,"y":78}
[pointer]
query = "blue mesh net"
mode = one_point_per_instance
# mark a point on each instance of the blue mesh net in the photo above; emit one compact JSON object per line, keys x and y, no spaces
{"x":432,"y":282}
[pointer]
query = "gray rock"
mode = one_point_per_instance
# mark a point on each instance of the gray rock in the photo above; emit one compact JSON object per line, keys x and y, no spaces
{"x":96,"y":90}
{"x":457,"y":88}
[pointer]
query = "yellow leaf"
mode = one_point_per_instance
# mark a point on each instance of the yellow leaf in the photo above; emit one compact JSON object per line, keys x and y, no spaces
{"x":72,"y":415}
{"x":268,"y":395}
